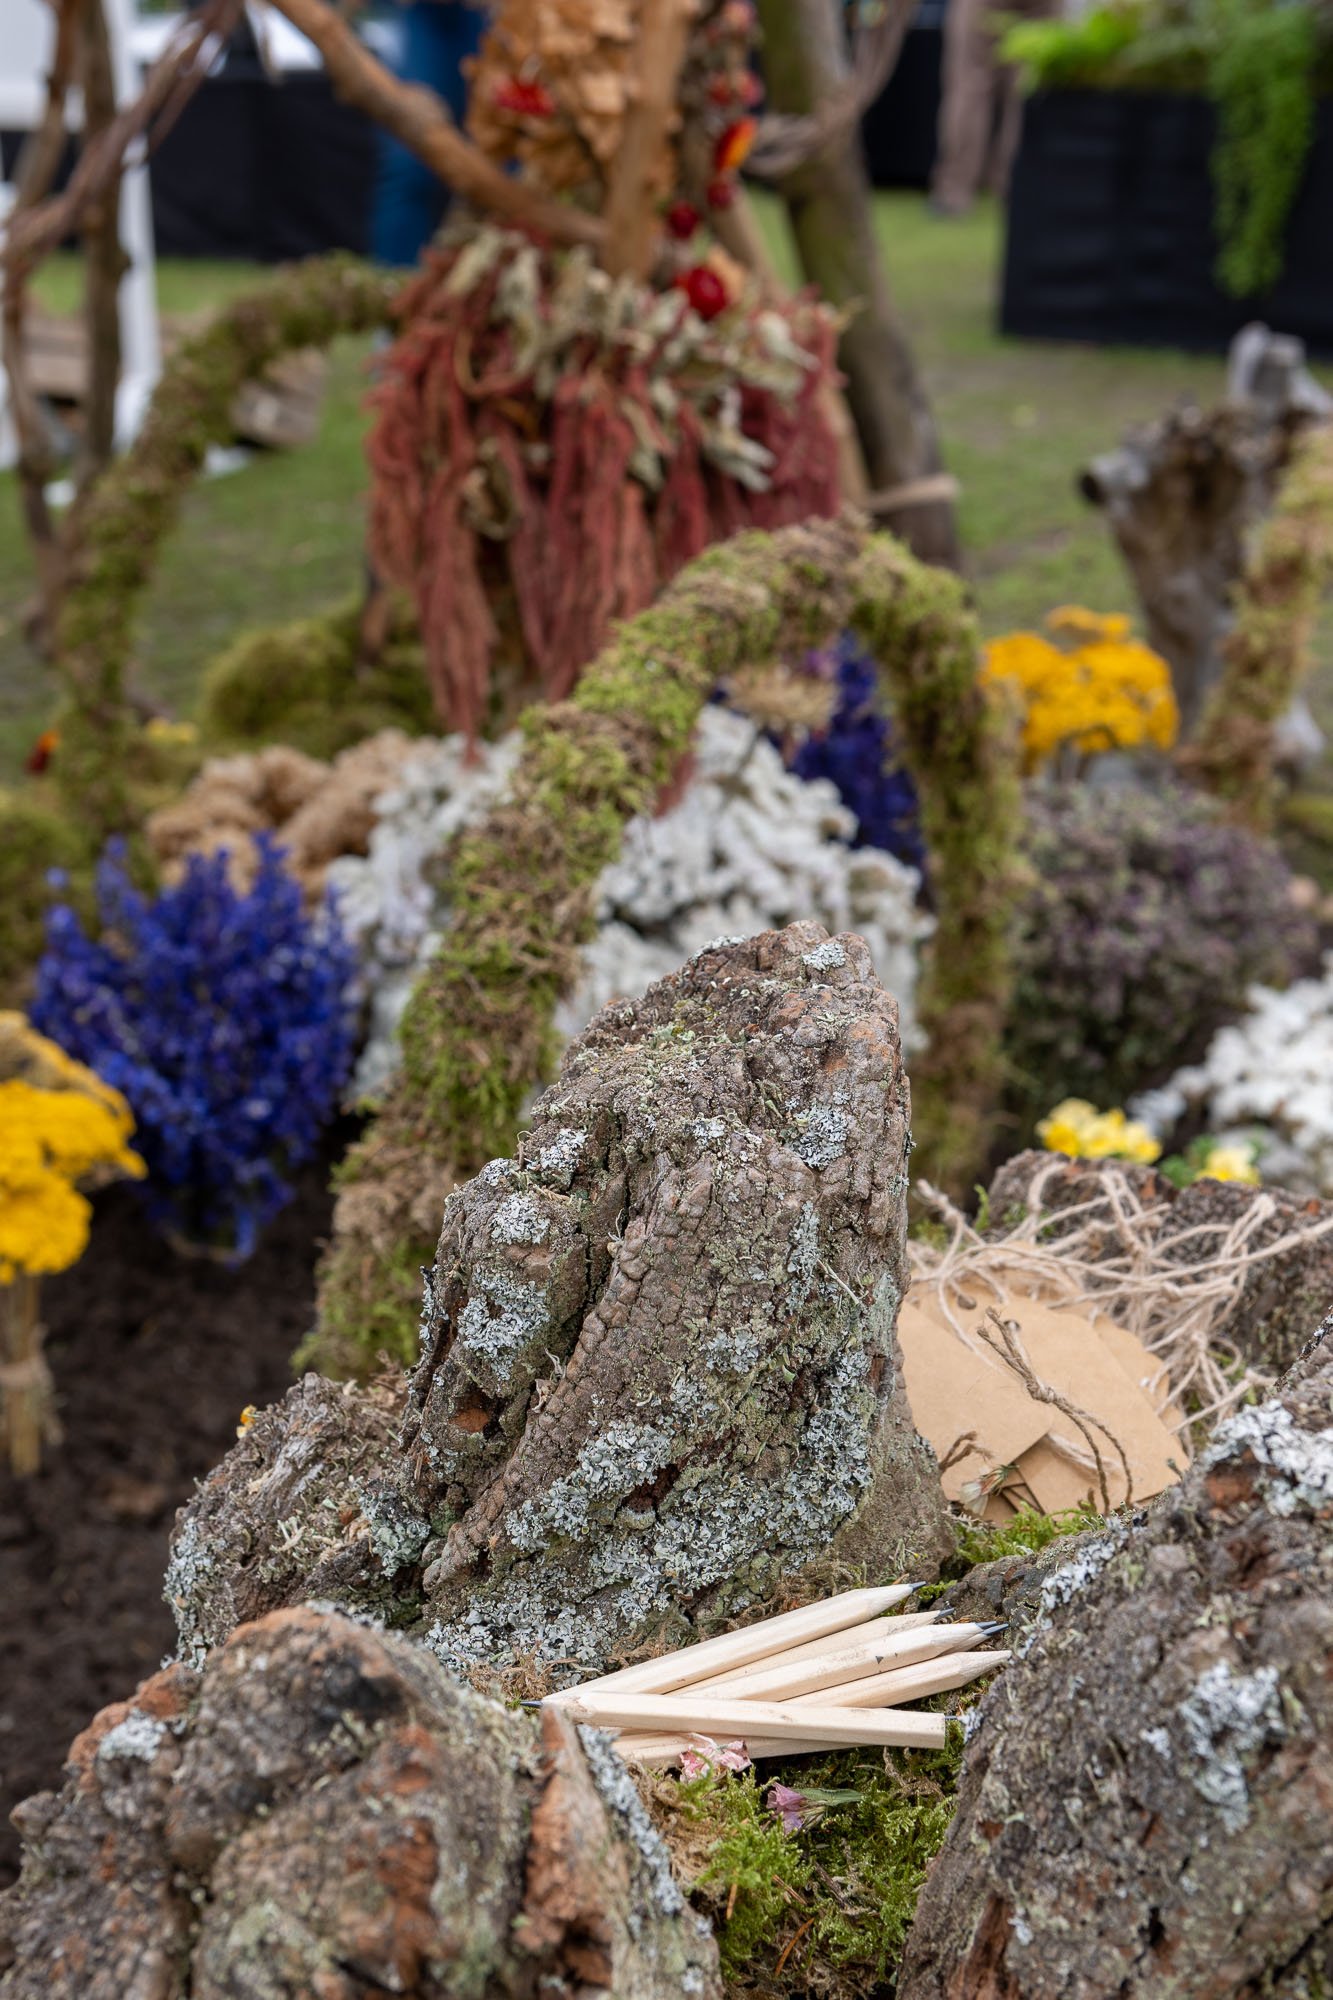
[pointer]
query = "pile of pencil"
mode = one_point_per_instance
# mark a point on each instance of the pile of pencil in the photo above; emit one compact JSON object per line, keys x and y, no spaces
{"x":830,"y":1676}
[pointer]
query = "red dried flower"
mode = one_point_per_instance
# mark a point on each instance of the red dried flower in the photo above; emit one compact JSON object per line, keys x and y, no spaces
{"x":704,"y":290}
{"x":682,"y":219}
{"x":750,"y":91}
{"x":733,"y":144}
{"x":41,"y":752}
{"x":721,"y":90}
{"x":721,"y":192}
{"x":525,"y":100}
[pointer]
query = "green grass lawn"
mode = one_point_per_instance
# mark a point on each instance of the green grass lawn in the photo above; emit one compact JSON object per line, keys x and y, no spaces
{"x":1018,"y":420}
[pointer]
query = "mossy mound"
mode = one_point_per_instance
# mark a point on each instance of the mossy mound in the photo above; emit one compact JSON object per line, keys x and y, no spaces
{"x":35,"y":839}
{"x":1305,"y":832}
{"x":825,"y":1908}
{"x":305,"y":683}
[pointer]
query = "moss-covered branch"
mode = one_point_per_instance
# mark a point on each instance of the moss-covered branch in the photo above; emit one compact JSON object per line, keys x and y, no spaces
{"x":118,"y":532}
{"x":1267,"y":653}
{"x":478,"y":1033}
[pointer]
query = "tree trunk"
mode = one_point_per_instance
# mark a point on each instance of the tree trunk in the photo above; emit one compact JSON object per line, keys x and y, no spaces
{"x":659,"y":1369}
{"x":828,"y":198}
{"x":1143,"y":1810}
{"x":326,"y":1813}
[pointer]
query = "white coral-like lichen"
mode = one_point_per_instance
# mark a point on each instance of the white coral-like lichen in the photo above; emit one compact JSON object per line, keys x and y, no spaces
{"x":1228,"y":1716}
{"x":1298,"y":1464}
{"x":749,"y":848}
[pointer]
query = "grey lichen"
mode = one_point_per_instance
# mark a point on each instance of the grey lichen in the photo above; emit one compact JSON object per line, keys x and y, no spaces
{"x":624,"y":1456}
{"x":558,"y":1162}
{"x":503,"y":1316}
{"x":617,"y":1791}
{"x":1228,"y":1716}
{"x":823,"y":1135}
{"x":825,"y":957}
{"x":519,"y":1219}
{"x":138,"y":1737}
{"x":397,"y":1534}
{"x":1299,"y":1462}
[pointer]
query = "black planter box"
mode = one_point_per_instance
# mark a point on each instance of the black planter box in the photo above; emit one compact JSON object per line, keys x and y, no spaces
{"x":898,"y":131}
{"x":1111,"y":237}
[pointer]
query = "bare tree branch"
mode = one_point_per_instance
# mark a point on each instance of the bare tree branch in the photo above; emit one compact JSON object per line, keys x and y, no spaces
{"x":37,"y":169}
{"x":104,"y":260}
{"x":631,"y":219}
{"x":785,"y":141}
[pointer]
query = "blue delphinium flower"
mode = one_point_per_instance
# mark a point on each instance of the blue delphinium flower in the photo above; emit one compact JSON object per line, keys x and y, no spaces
{"x":222,"y":1017}
{"x":857,"y":752}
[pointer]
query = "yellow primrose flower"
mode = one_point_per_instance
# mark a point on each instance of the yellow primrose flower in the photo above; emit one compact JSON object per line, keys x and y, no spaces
{"x":1077,"y":1128}
{"x":159,"y":730}
{"x":1230,"y":1163}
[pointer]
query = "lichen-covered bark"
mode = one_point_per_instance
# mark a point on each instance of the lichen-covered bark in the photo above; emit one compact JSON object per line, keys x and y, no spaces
{"x":325,"y":1815}
{"x":659,"y":1371}
{"x":1283,"y":1294}
{"x":478,"y":1032}
{"x":1144,"y":1808}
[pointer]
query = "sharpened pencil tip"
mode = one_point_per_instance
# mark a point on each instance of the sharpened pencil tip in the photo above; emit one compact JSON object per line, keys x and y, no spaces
{"x":531,"y":1704}
{"x":1000,"y":1625}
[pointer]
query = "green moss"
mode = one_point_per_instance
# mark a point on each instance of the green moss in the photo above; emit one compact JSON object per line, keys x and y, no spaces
{"x":35,"y":837}
{"x":304,"y":683}
{"x":827,"y":1907}
{"x":986,"y":1541}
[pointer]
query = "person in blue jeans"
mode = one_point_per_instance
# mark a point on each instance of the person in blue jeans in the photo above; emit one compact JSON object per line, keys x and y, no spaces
{"x":409,"y":201}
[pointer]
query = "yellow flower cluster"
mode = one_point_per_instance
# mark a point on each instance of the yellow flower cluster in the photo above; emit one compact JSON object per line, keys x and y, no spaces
{"x":1077,"y":1128}
{"x":1098,"y":689}
{"x":1229,"y":1163}
{"x":59,"y":1124}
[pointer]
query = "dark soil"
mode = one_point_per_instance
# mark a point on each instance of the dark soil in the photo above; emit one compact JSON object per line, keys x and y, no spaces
{"x":154,"y":1358}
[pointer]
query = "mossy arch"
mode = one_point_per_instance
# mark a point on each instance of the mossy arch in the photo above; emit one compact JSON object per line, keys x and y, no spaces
{"x":121,"y":525}
{"x":478,"y":1031}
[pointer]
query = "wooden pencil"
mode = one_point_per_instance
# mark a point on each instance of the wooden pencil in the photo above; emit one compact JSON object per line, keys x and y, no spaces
{"x":705,"y":1716}
{"x":743,"y":1648}
{"x":869,"y":1656}
{"x":832,"y":1642}
{"x":912,"y":1683}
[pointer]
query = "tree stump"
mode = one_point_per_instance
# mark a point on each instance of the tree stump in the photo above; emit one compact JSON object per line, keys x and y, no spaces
{"x":1144,"y":1808}
{"x":659,"y":1370}
{"x":1183,"y":494}
{"x":324,"y":1815}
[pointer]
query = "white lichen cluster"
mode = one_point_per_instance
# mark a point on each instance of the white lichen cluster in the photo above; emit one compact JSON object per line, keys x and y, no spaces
{"x":1267,"y":1078}
{"x":393,"y":900}
{"x":1225,"y":1719}
{"x":749,"y":848}
{"x":1297,"y":1464}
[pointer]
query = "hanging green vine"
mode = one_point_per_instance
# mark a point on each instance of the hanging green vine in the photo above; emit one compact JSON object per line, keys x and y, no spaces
{"x":478,"y":1032}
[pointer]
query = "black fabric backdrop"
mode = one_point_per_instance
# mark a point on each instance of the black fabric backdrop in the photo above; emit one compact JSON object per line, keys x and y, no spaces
{"x":1110,"y":234}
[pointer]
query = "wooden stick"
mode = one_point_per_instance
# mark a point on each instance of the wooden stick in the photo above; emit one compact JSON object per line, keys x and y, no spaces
{"x":814,"y":1649}
{"x":914,"y":1683}
{"x":702,"y":1716}
{"x":631,"y":209}
{"x":869,"y":1656}
{"x":741,"y":1649}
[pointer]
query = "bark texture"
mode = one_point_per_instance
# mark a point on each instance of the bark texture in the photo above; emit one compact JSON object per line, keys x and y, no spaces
{"x":1283,"y":1295}
{"x":1144,"y":1809}
{"x":326,"y":1815}
{"x":1183,"y":494}
{"x":659,"y":1370}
